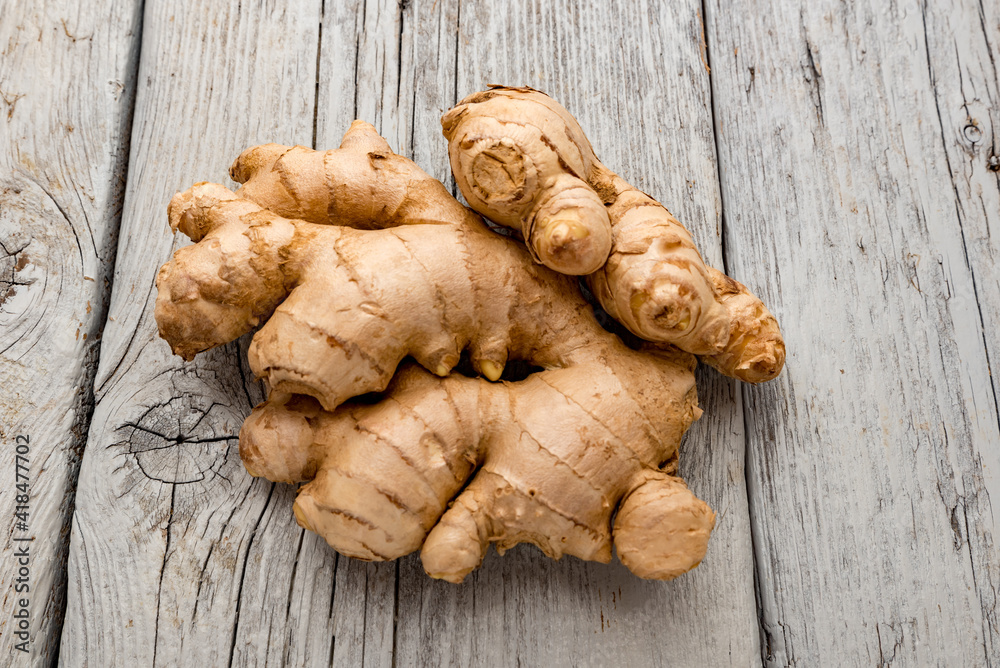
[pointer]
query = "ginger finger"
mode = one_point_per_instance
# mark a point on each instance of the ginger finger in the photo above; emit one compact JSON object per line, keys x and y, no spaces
{"x":362,"y":184}
{"x":654,"y":281}
{"x":755,"y":352}
{"x":662,"y":529}
{"x":515,"y":174}
{"x":215,"y":291}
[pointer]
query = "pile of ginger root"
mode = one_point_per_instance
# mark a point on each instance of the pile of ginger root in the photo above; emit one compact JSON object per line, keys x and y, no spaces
{"x":362,"y":274}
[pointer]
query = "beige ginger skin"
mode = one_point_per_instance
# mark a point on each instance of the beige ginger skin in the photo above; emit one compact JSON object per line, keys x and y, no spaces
{"x":353,"y":259}
{"x":521,"y":160}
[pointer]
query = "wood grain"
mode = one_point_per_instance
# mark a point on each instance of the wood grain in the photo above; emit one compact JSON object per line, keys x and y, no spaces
{"x":635,"y":78}
{"x":169,"y":529}
{"x":858,"y":164}
{"x":400,"y":75}
{"x":67,"y":83}
{"x":199,"y":535}
{"x":855,"y":144}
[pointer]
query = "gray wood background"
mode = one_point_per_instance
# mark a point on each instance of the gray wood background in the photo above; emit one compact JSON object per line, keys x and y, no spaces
{"x":841,"y":159}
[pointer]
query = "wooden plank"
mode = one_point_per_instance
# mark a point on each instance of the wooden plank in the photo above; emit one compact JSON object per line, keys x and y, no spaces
{"x":636,"y":80}
{"x":339,"y":612}
{"x":860,"y":203}
{"x":67,"y":83}
{"x":963,"y":49}
{"x":169,"y":530}
{"x":296,"y":606}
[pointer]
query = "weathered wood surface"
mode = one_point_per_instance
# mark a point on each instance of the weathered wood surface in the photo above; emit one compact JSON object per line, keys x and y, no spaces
{"x":858,"y":156}
{"x":210,"y":567}
{"x":856,"y":192}
{"x":67,"y":81}
{"x":166,"y":517}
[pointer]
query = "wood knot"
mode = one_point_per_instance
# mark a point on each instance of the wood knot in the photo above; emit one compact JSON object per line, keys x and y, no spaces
{"x":972,"y":133}
{"x":185,"y":440}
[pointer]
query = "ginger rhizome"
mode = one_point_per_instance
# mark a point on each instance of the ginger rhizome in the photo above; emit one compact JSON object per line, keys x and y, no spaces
{"x":550,"y":459}
{"x":521,"y":160}
{"x":350,"y":261}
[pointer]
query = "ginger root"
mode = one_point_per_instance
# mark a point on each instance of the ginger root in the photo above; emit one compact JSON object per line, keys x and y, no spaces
{"x":382,"y":475}
{"x":518,"y":156}
{"x":353,"y":259}
{"x":358,"y":300}
{"x":508,"y":163}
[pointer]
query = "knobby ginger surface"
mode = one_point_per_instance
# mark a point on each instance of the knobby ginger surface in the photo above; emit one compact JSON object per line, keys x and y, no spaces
{"x":363,"y":274}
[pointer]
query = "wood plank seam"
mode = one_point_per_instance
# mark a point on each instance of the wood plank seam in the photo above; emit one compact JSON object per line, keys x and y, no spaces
{"x":744,"y":399}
